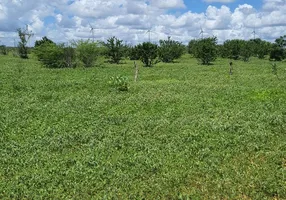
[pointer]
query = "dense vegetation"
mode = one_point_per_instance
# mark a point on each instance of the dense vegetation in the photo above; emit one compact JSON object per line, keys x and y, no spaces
{"x":183,"y":131}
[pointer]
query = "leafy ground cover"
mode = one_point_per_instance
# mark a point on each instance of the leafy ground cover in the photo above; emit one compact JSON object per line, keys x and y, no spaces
{"x":182,"y":131}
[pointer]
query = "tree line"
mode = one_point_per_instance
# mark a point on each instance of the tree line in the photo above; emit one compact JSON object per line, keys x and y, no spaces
{"x":86,"y":52}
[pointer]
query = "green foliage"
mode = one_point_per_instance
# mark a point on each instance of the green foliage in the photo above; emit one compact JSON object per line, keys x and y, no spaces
{"x":148,"y":53}
{"x":134,"y":53}
{"x":44,"y":40}
{"x":3,"y":50}
{"x":184,"y":131}
{"x":191,"y":47}
{"x":205,"y":50}
{"x":88,"y":52}
{"x":245,"y":50}
{"x":260,"y":48}
{"x":232,"y":49}
{"x":115,"y":49}
{"x":56,"y":56}
{"x":277,"y":53}
{"x":169,"y":50}
{"x":119,"y":82}
{"x":24,"y":36}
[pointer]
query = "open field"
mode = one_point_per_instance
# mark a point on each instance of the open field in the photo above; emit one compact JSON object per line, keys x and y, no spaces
{"x":182,"y":131}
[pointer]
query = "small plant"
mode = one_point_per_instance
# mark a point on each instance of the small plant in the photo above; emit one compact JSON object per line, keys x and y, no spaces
{"x":119,"y":82}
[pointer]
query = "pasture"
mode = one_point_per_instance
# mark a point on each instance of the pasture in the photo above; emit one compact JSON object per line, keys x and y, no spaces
{"x":182,"y":131}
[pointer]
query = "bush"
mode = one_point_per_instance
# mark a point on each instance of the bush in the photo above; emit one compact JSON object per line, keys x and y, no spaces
{"x":115,"y":50}
{"x":245,"y":50}
{"x":170,"y":50}
{"x":205,"y":50}
{"x":56,"y":56}
{"x":148,"y":53}
{"x":276,"y":53}
{"x":3,"y":50}
{"x":133,"y":53}
{"x":87,"y":52}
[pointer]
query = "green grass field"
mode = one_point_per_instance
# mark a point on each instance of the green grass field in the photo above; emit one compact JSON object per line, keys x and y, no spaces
{"x":183,"y":131}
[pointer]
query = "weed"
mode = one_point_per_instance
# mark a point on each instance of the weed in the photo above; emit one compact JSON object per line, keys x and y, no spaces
{"x":119,"y":82}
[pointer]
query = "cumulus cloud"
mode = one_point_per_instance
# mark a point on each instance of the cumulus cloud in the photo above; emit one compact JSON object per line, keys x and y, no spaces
{"x":63,"y":20}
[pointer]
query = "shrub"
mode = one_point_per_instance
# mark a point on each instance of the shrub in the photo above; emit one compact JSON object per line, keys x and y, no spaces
{"x":133,"y":53}
{"x":245,"y":50}
{"x":205,"y":50}
{"x":56,"y":56}
{"x":87,"y":52}
{"x":170,"y":50}
{"x":115,"y":50}
{"x":276,"y":53}
{"x":3,"y":50}
{"x":148,"y":53}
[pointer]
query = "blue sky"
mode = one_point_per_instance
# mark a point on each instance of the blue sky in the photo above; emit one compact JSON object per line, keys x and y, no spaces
{"x":65,"y":20}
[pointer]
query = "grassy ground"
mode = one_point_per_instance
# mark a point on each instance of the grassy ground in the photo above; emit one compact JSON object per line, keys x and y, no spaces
{"x":182,"y":131}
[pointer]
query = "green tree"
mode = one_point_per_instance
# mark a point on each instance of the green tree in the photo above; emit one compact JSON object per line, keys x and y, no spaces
{"x":3,"y":50}
{"x":232,"y":48}
{"x":245,"y":50}
{"x":43,"y":41}
{"x":56,"y":56}
{"x":88,"y":52}
{"x":148,"y":53}
{"x":260,"y":48}
{"x":278,"y":49}
{"x":169,"y":50}
{"x":133,"y":53}
{"x":191,"y":46}
{"x":115,"y":49}
{"x":24,"y":36}
{"x":205,"y":50}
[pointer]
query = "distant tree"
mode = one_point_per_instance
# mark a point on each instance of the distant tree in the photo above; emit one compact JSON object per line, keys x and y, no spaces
{"x":281,"y":41}
{"x":24,"y":36}
{"x":169,"y":50}
{"x":245,"y":50}
{"x":276,"y":53}
{"x":148,"y":53}
{"x":278,"y":49}
{"x":3,"y":50}
{"x":133,"y":53}
{"x":260,"y":48}
{"x":232,"y":48}
{"x":44,"y":40}
{"x":191,"y":46}
{"x":205,"y":50}
{"x":115,"y":49}
{"x":56,"y":56}
{"x":87,"y":52}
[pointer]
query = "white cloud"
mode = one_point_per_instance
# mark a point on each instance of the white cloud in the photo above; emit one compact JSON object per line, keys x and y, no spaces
{"x":130,"y":19}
